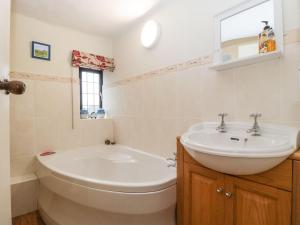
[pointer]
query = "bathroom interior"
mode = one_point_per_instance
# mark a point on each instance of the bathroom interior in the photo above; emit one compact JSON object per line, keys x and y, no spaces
{"x":153,"y":112}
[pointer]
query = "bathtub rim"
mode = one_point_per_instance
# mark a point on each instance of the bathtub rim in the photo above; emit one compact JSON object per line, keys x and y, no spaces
{"x":122,"y":187}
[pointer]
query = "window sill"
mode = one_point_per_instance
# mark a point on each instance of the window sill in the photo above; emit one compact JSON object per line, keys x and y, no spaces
{"x":90,"y":119}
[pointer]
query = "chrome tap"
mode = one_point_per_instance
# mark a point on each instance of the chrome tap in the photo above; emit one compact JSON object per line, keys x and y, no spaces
{"x":255,"y":130}
{"x":222,"y":127}
{"x":172,"y":162}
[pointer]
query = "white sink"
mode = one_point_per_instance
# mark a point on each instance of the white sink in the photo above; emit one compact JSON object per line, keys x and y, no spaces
{"x":238,"y":152}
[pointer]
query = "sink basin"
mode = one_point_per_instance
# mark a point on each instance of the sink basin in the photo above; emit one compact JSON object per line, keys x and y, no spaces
{"x":237,"y":152}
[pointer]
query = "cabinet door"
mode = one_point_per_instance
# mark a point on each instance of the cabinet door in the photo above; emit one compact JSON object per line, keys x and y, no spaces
{"x":296,"y":193}
{"x":203,"y":196}
{"x":255,"y":204}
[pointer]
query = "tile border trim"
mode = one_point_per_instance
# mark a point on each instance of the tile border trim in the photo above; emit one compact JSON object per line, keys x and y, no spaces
{"x":197,"y":62}
{"x":41,"y":77}
{"x":290,"y":37}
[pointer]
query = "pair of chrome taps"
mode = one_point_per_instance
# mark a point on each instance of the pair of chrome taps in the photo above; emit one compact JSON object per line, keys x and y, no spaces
{"x":255,"y":130}
{"x":172,"y":162}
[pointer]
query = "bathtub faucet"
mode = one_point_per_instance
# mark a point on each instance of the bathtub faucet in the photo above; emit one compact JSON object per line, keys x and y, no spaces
{"x":172,"y":162}
{"x":109,"y":142}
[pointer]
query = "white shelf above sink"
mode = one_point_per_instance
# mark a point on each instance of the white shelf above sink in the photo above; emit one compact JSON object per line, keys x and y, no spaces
{"x":229,"y":22}
{"x":246,"y":61}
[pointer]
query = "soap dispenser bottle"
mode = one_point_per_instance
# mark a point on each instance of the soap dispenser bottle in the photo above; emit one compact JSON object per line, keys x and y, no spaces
{"x":267,"y":42}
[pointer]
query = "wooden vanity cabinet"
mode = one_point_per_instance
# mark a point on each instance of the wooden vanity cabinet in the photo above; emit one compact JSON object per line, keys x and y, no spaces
{"x":203,"y":204}
{"x":256,"y":204}
{"x":207,"y":197}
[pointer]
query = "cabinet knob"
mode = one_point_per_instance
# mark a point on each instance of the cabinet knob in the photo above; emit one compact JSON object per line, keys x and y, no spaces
{"x":220,"y":190}
{"x":228,"y":194}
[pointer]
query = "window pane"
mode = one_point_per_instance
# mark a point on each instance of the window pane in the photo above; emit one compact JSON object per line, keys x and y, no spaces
{"x":96,"y":77}
{"x":90,"y":99}
{"x":96,"y":99}
{"x":84,"y":87}
{"x":84,"y":99}
{"x":90,"y":88}
{"x":96,"y":88}
{"x":83,"y":76}
{"x":90,"y":77}
{"x":91,"y":109}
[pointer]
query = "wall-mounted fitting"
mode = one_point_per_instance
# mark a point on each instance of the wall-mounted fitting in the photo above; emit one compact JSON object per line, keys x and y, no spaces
{"x":150,"y":34}
{"x":109,"y":142}
{"x":172,"y":162}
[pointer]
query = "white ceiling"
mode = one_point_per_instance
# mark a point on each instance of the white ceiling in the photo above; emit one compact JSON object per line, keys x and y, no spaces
{"x":101,"y":17}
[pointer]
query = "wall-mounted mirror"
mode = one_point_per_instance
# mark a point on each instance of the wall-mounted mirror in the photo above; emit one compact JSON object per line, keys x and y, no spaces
{"x":248,"y":33}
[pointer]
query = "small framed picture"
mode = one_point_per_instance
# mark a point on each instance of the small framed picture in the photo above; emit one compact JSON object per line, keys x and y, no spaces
{"x":41,"y":51}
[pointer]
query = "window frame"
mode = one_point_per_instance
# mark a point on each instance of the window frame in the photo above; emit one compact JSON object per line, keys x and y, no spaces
{"x":100,"y":72}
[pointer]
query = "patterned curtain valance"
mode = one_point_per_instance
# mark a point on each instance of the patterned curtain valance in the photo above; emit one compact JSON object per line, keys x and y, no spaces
{"x":91,"y":61}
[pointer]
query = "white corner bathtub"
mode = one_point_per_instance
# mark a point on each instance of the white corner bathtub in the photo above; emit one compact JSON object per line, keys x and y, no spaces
{"x":106,"y":185}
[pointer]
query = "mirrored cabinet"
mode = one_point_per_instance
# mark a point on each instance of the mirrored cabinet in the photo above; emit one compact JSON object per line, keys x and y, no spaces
{"x":248,"y":33}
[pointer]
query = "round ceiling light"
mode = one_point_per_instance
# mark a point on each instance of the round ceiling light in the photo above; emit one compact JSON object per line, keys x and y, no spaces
{"x":150,"y":34}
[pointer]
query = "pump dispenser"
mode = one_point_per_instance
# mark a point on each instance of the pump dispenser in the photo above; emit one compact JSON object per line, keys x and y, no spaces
{"x":267,"y":42}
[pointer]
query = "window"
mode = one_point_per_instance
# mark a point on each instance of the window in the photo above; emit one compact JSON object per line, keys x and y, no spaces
{"x":90,"y":91}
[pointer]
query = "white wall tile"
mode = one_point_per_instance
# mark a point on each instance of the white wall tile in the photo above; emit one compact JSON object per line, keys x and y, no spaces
{"x":42,"y":120}
{"x":173,"y":102}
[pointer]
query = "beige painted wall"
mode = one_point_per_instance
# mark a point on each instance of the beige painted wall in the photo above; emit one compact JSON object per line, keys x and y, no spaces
{"x":5,"y":212}
{"x":62,"y":40}
{"x":150,"y":113}
{"x":187,"y":33}
{"x":41,"y":119}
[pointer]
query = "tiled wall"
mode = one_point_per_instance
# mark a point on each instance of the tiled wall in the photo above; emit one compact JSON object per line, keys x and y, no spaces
{"x":151,"y":110}
{"x":41,"y":119}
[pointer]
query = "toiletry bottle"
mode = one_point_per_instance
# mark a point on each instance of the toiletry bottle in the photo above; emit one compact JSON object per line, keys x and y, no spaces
{"x":263,"y":37}
{"x":267,"y":42}
{"x":271,"y":43}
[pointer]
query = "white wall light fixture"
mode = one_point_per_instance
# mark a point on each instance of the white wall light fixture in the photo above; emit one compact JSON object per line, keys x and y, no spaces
{"x":150,"y":34}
